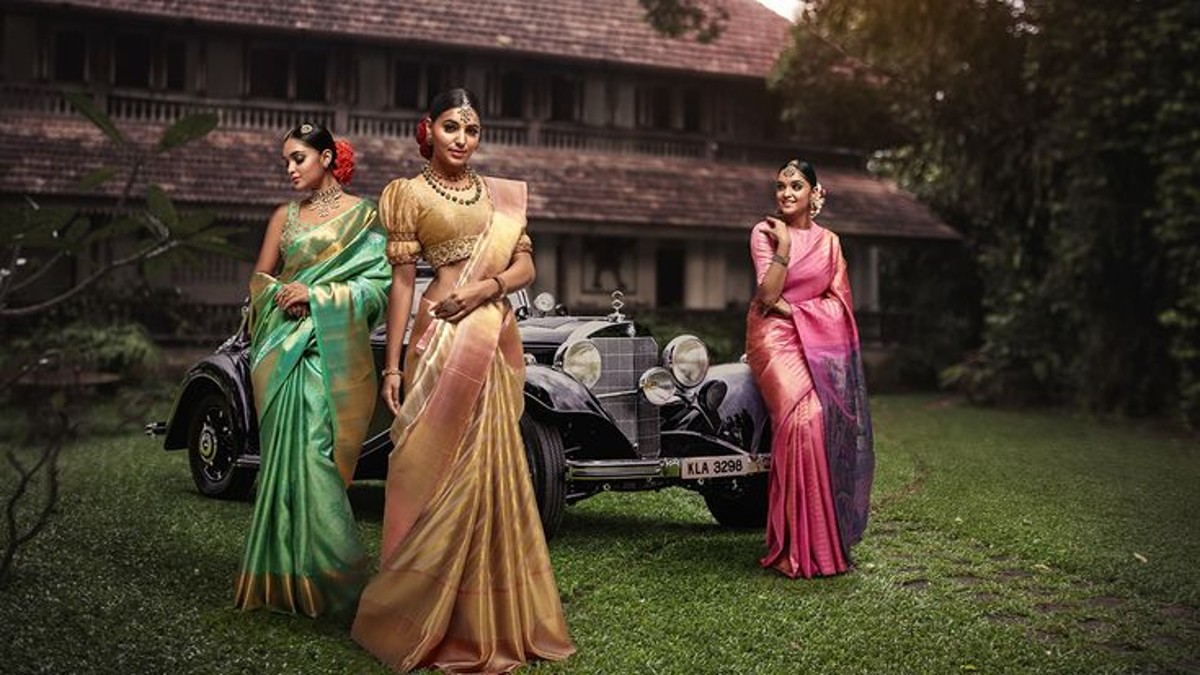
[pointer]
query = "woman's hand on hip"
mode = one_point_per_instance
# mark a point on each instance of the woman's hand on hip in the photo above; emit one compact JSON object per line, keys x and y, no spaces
{"x":781,"y":307}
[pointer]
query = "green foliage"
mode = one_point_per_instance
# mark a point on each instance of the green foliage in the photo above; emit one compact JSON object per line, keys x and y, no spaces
{"x":1060,"y":136}
{"x":677,"y":18}
{"x":39,"y":240}
{"x":187,"y":130}
{"x":86,"y":107}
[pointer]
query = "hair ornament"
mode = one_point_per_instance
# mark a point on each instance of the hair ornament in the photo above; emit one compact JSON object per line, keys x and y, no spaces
{"x":343,"y":166}
{"x":424,"y":143}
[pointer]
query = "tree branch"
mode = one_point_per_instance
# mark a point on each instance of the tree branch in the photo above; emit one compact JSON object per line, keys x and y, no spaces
{"x":145,"y":254}
{"x":15,"y":539}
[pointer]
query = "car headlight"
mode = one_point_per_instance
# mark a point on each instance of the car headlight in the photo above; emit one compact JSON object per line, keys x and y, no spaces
{"x":580,"y":360}
{"x":687,"y":359}
{"x":657,"y":385}
{"x":544,"y":302}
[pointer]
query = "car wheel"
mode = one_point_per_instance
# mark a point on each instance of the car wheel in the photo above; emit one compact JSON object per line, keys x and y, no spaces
{"x":547,"y":471}
{"x":214,"y":444}
{"x":739,"y":503}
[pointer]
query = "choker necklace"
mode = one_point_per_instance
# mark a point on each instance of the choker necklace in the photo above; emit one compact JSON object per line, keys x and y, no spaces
{"x":434,"y":179}
{"x":326,"y":201}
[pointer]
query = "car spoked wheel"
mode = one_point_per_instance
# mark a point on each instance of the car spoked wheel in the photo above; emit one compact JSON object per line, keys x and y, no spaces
{"x":547,"y":471}
{"x":214,"y":444}
{"x":739,"y":502}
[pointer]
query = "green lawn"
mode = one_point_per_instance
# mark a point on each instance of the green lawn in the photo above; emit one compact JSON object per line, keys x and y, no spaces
{"x":1000,"y":542}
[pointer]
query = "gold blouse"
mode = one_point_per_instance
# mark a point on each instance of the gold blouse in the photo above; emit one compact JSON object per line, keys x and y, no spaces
{"x":423,"y":224}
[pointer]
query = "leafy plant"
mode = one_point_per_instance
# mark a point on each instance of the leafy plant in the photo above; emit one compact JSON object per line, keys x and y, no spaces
{"x":39,"y":240}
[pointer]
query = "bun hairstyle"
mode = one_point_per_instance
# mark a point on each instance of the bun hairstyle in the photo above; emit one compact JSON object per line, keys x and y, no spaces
{"x":319,"y":138}
{"x":457,"y":97}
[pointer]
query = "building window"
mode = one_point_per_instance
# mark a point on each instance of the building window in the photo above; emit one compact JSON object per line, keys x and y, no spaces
{"x":269,"y":72}
{"x":693,"y":110}
{"x":564,"y":99}
{"x":406,"y":85}
{"x":175,"y":65}
{"x":654,"y":108}
{"x":311,"y":70}
{"x":435,"y":83}
{"x":670,"y":265}
{"x":415,"y":84}
{"x":70,"y":56}
{"x":132,"y":56}
{"x":511,"y":99}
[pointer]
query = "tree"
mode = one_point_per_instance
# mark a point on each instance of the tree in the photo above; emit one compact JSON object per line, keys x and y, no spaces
{"x":38,"y":238}
{"x":1059,"y":137}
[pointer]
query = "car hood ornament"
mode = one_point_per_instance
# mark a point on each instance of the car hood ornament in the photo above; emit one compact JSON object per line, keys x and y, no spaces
{"x":617,"y":304}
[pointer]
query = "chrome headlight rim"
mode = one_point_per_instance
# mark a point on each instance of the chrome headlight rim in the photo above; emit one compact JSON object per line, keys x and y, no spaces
{"x":581,"y":360}
{"x":679,"y":358}
{"x":657,"y":385}
{"x":545,"y":302}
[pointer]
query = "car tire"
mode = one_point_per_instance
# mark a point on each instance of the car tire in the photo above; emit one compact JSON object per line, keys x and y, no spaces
{"x":547,"y":471}
{"x":215,"y":441}
{"x":743,"y":506}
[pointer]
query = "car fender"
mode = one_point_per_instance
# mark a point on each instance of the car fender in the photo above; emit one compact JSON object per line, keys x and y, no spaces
{"x":744,"y":420}
{"x":557,"y":399}
{"x":224,"y":372}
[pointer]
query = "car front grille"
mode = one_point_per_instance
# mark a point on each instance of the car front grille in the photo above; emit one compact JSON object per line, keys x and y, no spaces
{"x":623,"y":360}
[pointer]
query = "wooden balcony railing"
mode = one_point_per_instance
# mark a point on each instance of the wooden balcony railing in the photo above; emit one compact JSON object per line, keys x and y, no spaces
{"x":278,"y":116}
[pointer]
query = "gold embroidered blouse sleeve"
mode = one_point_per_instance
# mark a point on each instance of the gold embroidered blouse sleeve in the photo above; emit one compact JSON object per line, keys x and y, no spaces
{"x":398,"y":209}
{"x":524,"y":244}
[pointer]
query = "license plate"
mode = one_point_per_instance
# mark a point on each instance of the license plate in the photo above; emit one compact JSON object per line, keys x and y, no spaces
{"x":716,"y":467}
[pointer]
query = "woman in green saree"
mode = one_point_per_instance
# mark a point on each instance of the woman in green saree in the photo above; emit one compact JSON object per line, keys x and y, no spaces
{"x":314,"y":382}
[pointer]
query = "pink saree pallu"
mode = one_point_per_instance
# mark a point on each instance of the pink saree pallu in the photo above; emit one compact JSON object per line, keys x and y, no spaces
{"x":465,"y":582}
{"x":809,"y":370}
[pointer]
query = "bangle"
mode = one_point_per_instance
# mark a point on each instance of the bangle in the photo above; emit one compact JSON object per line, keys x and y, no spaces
{"x":776,"y":258}
{"x":503,"y":290}
{"x":392,"y":371}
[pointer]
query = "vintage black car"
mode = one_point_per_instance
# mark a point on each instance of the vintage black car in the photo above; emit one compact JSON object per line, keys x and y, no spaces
{"x":604,"y":410}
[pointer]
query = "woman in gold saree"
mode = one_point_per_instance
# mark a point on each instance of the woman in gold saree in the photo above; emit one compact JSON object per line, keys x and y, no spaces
{"x":802,"y":346}
{"x":465,"y":582}
{"x":314,"y":383}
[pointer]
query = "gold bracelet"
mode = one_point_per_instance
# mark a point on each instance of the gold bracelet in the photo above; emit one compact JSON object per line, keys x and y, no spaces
{"x":503,"y":288}
{"x":391,"y":371}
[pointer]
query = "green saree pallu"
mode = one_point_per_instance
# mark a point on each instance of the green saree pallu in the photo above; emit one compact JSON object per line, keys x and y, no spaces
{"x":315,"y":391}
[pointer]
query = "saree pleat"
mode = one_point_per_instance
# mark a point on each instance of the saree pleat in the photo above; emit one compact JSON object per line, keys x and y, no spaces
{"x":314,"y":392}
{"x":472,"y":589}
{"x":465,"y":582}
{"x":809,"y":371}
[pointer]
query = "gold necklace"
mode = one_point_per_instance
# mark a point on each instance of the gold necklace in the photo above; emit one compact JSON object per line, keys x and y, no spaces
{"x":326,"y":201}
{"x":431,"y":177}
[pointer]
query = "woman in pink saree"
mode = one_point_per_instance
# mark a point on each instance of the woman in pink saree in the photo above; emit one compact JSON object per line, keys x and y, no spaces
{"x":802,"y":346}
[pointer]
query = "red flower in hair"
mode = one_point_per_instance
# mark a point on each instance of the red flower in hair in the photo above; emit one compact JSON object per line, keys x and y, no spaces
{"x":423,"y":141}
{"x":343,"y":169}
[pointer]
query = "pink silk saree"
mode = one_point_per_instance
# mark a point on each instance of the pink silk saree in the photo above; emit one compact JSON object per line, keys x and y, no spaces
{"x":809,"y":370}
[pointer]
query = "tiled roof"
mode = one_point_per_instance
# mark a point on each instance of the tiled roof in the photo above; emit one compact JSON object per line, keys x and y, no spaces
{"x":240,"y":172}
{"x":611,"y":31}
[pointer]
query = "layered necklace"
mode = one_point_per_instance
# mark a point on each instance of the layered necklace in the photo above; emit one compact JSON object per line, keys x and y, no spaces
{"x":326,"y":201}
{"x":439,"y":184}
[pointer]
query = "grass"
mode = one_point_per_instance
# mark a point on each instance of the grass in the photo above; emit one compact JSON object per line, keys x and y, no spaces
{"x":1000,"y":542}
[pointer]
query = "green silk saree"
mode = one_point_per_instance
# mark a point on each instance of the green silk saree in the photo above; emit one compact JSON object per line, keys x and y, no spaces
{"x":315,"y":391}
